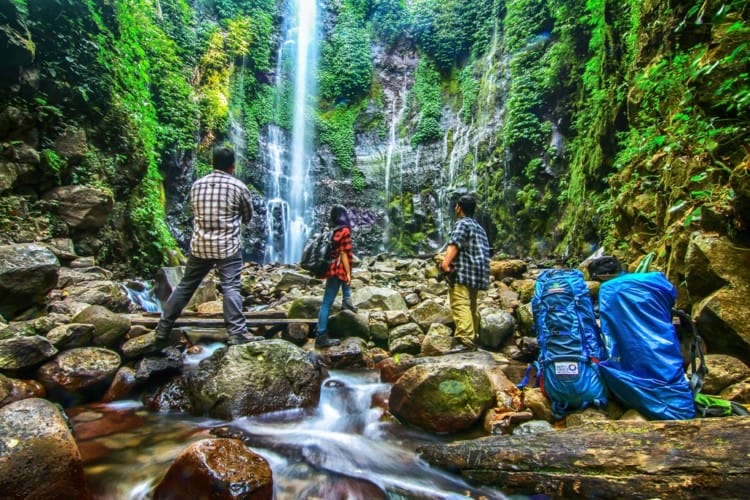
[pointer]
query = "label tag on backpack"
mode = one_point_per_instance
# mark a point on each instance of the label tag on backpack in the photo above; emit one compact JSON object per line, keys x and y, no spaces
{"x":566,"y":368}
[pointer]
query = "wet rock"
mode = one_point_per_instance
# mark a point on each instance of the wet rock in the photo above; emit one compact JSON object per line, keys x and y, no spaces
{"x":81,"y":374}
{"x":38,"y":456}
{"x":123,"y":384}
{"x":172,"y":396}
{"x":23,"y":352}
{"x":152,"y":368}
{"x":254,"y":378}
{"x":110,"y":328}
{"x":12,"y":389}
{"x":442,"y":398}
{"x":351,"y":353}
{"x":27,"y":273}
{"x":217,"y":468}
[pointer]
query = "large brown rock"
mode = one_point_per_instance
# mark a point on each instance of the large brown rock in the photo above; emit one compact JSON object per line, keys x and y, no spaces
{"x":27,"y":273}
{"x":79,"y":374}
{"x":38,"y":456}
{"x":218,"y":469}
{"x":718,"y":272}
{"x":442,"y":397}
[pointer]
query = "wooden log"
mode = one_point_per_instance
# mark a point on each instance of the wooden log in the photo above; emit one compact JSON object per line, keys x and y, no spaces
{"x":699,"y":458}
{"x":217,"y":321}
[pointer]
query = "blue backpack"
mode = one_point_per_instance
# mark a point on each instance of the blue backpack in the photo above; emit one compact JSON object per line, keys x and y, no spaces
{"x":570,"y":344}
{"x":644,"y":369}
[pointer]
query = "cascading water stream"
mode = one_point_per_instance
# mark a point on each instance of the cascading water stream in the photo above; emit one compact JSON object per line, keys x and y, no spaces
{"x":290,"y":186}
{"x":338,"y":450}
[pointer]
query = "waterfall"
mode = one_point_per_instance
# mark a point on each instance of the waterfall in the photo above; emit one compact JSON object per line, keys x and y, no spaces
{"x":290,"y":185}
{"x":237,"y":135}
{"x":394,"y":147}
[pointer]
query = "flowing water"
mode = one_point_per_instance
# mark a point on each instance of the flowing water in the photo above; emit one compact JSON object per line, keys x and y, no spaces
{"x":290,"y":197}
{"x":346,"y":448}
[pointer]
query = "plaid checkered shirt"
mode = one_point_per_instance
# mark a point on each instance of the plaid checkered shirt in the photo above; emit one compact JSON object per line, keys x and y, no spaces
{"x":221,"y":204}
{"x":473,"y":259}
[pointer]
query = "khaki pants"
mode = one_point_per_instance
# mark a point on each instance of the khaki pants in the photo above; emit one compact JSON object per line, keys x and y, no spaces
{"x":464,"y":308}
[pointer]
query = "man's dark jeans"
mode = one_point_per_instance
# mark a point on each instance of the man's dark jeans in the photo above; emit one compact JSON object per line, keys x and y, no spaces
{"x":195,"y":270}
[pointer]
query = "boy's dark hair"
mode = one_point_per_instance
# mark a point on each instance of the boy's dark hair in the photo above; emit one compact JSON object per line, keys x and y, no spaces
{"x":339,"y":216}
{"x":467,"y":204}
{"x":223,"y":158}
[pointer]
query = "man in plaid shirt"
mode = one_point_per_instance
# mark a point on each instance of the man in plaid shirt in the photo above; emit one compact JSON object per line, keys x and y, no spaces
{"x":221,"y":203}
{"x":468,"y":258}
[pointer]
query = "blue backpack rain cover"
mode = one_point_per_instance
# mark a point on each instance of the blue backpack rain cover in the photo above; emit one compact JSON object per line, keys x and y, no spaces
{"x":570,"y":345}
{"x":644,"y":367}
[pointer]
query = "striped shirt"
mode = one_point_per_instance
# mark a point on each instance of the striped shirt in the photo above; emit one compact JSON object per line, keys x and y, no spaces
{"x":473,"y":259}
{"x":342,"y":242}
{"x":221,"y":203}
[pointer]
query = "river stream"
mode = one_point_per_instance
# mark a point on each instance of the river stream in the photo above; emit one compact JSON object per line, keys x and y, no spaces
{"x":347,"y":448}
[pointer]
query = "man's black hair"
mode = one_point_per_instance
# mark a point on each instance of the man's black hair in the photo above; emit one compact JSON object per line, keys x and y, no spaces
{"x":467,"y":204}
{"x":223,"y":158}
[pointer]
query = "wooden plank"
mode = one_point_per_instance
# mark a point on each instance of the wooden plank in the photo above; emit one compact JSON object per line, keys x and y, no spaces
{"x":218,"y":322}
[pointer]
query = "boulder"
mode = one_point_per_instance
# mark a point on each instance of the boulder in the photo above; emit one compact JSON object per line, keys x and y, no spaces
{"x":27,"y":273}
{"x":495,"y":328}
{"x":38,"y":456}
{"x":723,"y":371}
{"x":406,"y":339}
{"x":78,"y":375}
{"x":109,"y":294}
{"x":109,"y":328}
{"x":217,"y":468}
{"x":17,"y":353}
{"x":513,"y":268}
{"x":376,"y":298}
{"x":254,"y":378}
{"x":431,"y":311}
{"x":12,"y":389}
{"x":442,"y":397}
{"x":82,"y":207}
{"x":348,"y":324}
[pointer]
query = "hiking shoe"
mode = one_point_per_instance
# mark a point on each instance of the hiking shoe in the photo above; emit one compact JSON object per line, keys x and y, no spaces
{"x":325,"y":341}
{"x":161,"y":340}
{"x":464,"y":345}
{"x":347,"y":304}
{"x":240,"y":339}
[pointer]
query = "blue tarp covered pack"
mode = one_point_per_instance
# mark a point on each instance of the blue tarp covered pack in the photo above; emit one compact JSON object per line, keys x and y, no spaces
{"x":644,"y":369}
{"x":570,"y":344}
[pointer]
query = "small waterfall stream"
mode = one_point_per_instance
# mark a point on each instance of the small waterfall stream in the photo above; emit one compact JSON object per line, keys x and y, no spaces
{"x":344,"y":449}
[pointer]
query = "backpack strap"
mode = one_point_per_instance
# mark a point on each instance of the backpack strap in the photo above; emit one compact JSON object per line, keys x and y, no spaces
{"x":697,"y":371}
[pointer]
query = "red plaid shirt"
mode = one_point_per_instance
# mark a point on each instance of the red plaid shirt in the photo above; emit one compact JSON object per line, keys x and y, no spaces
{"x":342,"y":242}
